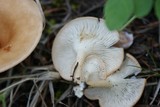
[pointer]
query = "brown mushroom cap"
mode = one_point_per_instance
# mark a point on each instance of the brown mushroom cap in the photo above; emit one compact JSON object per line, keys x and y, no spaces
{"x":117,"y":91}
{"x":21,"y":26}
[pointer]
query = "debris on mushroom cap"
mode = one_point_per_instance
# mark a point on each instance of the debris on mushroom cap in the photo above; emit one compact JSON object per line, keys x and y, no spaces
{"x":78,"y":90}
{"x":21,"y":28}
{"x":81,"y":38}
{"x":125,"y":41}
{"x":119,"y":92}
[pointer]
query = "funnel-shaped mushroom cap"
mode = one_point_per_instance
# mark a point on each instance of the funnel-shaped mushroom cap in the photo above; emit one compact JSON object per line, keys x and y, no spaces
{"x":21,"y":25}
{"x":119,"y":92}
{"x":81,"y":38}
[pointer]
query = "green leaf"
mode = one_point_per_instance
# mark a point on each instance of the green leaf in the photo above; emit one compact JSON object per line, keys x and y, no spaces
{"x":142,"y":7}
{"x":2,"y":99}
{"x":157,"y":9}
{"x":117,"y":13}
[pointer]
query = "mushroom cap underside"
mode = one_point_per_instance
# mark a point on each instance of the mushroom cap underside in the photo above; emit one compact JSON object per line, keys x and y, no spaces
{"x":124,"y":93}
{"x":79,"y":39}
{"x":21,"y":28}
{"x":129,"y":67}
{"x":116,"y":90}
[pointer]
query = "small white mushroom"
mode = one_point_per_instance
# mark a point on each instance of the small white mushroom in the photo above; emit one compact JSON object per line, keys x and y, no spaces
{"x":21,"y":25}
{"x":118,"y":92}
{"x":81,"y":39}
{"x":126,"y":39}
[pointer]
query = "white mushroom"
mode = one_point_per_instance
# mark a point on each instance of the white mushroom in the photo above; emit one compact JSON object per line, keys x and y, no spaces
{"x":84,"y":38}
{"x":126,"y":40}
{"x":118,"y":92}
{"x":21,"y":25}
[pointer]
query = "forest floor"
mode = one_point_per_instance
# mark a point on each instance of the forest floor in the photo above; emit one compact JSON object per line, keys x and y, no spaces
{"x":146,"y":49}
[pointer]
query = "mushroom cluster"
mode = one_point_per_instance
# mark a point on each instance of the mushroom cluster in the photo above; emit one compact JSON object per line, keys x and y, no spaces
{"x":20,"y":30}
{"x":85,"y":52}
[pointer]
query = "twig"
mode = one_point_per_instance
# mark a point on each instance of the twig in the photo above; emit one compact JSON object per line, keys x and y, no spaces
{"x":156,"y":93}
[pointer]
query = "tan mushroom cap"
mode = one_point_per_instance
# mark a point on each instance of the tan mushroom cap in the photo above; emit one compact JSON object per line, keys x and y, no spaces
{"x":81,"y":38}
{"x":21,"y":25}
{"x":119,"y":92}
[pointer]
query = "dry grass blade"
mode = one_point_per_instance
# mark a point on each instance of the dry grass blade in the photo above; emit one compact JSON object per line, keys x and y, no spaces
{"x":51,"y":90}
{"x":38,"y":94}
{"x":41,"y":76}
{"x":12,"y":95}
{"x":65,"y":94}
{"x":11,"y":99}
{"x":41,"y":68}
{"x":15,"y":84}
{"x":151,"y":84}
{"x":156,"y":93}
{"x":30,"y":95}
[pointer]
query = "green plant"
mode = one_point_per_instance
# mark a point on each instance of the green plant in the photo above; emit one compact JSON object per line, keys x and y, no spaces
{"x":2,"y":99}
{"x":119,"y":13}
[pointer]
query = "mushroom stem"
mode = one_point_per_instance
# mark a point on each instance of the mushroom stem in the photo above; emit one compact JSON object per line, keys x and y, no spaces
{"x":78,"y":78}
{"x":99,"y":83}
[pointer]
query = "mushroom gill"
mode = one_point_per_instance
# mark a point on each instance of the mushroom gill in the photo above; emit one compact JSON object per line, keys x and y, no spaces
{"x":117,"y":90}
{"x":79,"y":39}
